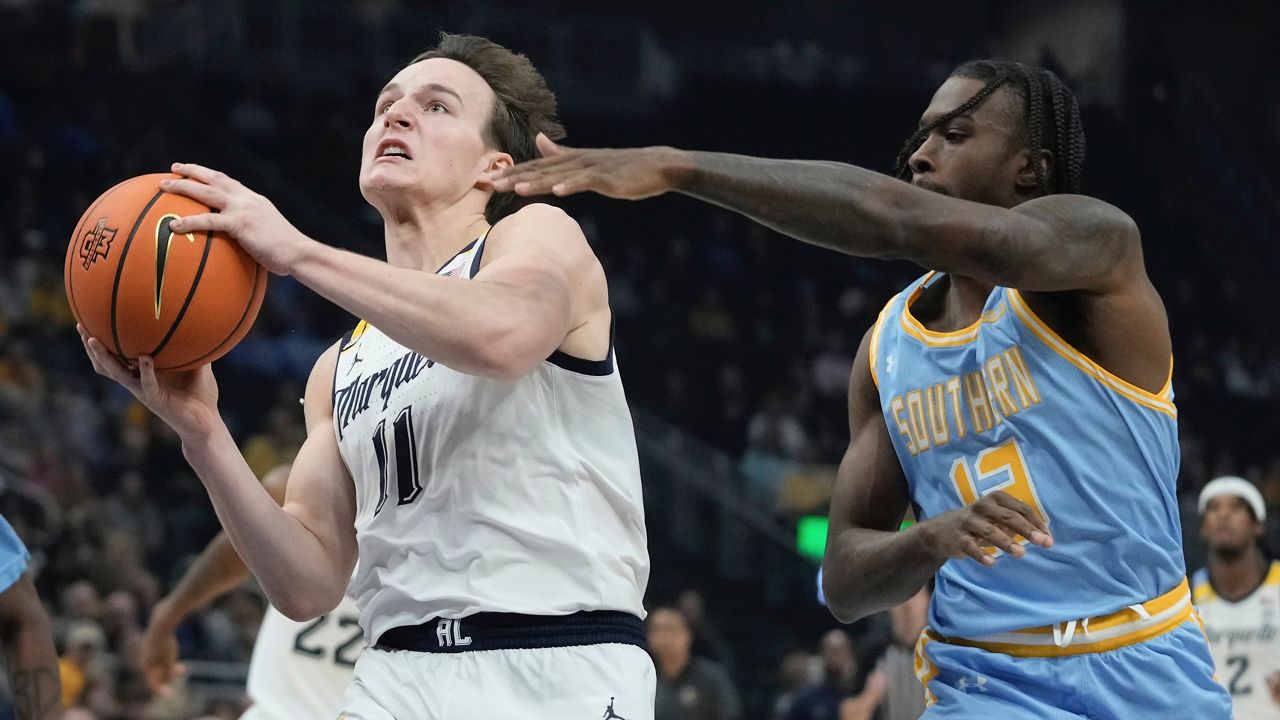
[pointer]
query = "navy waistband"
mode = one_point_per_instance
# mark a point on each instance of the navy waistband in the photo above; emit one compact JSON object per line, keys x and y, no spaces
{"x":510,"y":631}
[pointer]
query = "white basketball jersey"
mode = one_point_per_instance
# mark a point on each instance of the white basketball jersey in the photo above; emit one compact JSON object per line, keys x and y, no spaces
{"x":481,"y":495}
{"x":301,"y":669}
{"x":1244,"y":638}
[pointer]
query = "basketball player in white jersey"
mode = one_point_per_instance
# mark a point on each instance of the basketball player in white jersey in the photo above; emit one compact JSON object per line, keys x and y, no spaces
{"x":477,"y":453}
{"x":1238,"y":597}
{"x":298,"y":669}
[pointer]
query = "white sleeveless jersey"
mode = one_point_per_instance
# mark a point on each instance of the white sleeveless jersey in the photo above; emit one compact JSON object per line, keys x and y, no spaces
{"x":1244,"y":638}
{"x":481,"y":495}
{"x":301,"y":669}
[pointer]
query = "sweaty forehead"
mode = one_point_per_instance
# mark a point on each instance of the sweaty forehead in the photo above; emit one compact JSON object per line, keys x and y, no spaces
{"x":997,"y":109}
{"x":475,"y":92}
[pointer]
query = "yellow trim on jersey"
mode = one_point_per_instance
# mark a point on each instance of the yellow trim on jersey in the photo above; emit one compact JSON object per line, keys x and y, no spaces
{"x":925,"y":670}
{"x":935,"y":338}
{"x":874,"y":348}
{"x":1273,"y":577}
{"x":1145,"y":398}
{"x":355,"y":335}
{"x":1100,"y":634}
{"x":1203,"y":592}
{"x":917,"y":330}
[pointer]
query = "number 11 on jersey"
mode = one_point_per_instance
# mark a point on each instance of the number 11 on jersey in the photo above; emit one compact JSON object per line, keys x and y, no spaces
{"x":994,"y":461}
{"x":406,"y":459}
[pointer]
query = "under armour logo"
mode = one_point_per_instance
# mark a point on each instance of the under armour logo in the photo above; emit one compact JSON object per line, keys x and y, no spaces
{"x":890,"y":362}
{"x":449,"y":633}
{"x":979,"y":683}
{"x":609,"y":714}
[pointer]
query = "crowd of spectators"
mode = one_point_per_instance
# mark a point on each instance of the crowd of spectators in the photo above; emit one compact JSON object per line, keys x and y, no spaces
{"x":738,"y":337}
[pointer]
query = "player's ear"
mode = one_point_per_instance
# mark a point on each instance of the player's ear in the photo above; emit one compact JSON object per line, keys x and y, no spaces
{"x":499,"y":161}
{"x":1026,"y":183}
{"x":495,"y":161}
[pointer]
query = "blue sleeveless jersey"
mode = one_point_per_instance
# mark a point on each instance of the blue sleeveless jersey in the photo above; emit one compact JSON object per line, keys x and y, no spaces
{"x":13,"y":556}
{"x":1007,"y":404}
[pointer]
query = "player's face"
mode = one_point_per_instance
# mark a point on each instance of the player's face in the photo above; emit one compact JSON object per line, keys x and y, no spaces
{"x":426,"y":140}
{"x":1228,"y":524}
{"x":973,"y":156}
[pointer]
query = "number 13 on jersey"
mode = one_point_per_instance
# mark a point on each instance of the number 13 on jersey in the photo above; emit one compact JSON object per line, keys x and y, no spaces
{"x":1002,"y":460}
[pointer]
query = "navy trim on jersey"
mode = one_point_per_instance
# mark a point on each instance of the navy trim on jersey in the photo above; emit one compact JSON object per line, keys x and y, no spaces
{"x":598,"y":368}
{"x":455,"y":255}
{"x":475,"y":261}
{"x":511,"y":631}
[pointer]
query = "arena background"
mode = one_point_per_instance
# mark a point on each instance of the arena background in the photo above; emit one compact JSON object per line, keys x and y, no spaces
{"x":735,"y":344}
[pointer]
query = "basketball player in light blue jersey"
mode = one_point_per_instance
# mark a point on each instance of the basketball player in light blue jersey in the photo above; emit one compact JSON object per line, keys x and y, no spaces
{"x":35,"y":689}
{"x":1018,"y":396}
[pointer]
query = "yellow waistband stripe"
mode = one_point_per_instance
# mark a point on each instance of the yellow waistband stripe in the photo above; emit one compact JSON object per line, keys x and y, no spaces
{"x":925,"y":670}
{"x":1100,"y":634}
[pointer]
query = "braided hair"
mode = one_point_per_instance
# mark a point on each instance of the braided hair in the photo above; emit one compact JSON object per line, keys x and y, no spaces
{"x":1050,"y":113}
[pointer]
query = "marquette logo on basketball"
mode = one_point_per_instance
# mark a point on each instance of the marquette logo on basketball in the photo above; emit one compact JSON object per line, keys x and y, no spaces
{"x":96,"y":243}
{"x":164,"y":238}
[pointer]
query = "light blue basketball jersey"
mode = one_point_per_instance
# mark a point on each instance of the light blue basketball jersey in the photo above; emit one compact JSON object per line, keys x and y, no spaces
{"x":1006,"y":404}
{"x":13,"y":556}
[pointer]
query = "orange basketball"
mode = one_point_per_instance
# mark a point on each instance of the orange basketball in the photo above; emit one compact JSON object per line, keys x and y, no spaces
{"x":140,"y":289}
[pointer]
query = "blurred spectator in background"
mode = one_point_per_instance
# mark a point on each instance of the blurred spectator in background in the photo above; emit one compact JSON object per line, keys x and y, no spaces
{"x":796,"y":672}
{"x":826,"y":698}
{"x":81,"y":660}
{"x":904,"y":696}
{"x":689,"y":688}
{"x":708,"y":641}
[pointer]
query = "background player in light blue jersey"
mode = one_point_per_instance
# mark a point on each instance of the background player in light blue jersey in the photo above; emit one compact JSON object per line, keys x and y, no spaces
{"x":25,"y":635}
{"x":1023,"y":386}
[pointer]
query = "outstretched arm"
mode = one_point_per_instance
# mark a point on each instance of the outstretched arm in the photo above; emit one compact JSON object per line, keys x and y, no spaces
{"x":1059,"y":242}
{"x":29,"y":655}
{"x":510,"y":317}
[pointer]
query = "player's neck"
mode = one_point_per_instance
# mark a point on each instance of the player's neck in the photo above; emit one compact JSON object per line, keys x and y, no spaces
{"x":1235,"y":576}
{"x":424,"y":238}
{"x":955,"y":306}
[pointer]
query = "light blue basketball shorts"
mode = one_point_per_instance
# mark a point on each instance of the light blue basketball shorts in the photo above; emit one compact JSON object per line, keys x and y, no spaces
{"x":1168,"y":677}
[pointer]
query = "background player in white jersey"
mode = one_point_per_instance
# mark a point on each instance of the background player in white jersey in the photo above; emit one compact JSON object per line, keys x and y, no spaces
{"x":481,"y":460}
{"x":1238,"y":597}
{"x":298,"y":669}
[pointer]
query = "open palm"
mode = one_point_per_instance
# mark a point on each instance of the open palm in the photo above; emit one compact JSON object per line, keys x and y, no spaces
{"x":624,"y":174}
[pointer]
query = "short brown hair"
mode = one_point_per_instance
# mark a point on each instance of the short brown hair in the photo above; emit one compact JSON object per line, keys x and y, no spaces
{"x":523,"y":104}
